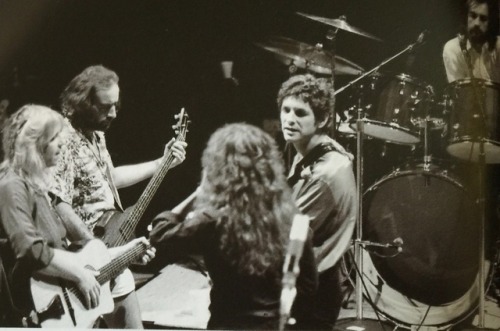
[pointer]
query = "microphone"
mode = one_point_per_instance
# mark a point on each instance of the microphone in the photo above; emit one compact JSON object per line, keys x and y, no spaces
{"x":420,"y":40}
{"x":396,"y":243}
{"x":291,"y":268}
{"x":422,"y":36}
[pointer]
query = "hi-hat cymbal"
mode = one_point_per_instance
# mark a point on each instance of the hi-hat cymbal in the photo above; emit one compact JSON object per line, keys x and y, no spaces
{"x":340,"y":23}
{"x":305,"y":56}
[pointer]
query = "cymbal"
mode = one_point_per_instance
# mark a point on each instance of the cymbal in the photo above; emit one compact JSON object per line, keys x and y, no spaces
{"x":340,"y":23}
{"x":305,"y":56}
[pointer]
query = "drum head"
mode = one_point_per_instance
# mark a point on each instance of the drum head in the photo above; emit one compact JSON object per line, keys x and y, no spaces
{"x":468,"y":150}
{"x":390,"y":132}
{"x":438,"y":225}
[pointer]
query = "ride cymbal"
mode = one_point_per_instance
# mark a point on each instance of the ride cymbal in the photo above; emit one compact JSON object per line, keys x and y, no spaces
{"x":305,"y":56}
{"x":340,"y":23}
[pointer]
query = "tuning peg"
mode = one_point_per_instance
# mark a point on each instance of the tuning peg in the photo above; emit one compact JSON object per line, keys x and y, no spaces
{"x":175,"y":127}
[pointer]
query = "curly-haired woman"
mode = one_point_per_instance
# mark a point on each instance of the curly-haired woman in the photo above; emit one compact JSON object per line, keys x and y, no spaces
{"x":240,"y":224}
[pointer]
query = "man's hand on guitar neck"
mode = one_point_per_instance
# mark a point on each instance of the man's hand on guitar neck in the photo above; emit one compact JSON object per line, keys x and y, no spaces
{"x":178,"y":149}
{"x":128,"y":175}
{"x":144,"y":259}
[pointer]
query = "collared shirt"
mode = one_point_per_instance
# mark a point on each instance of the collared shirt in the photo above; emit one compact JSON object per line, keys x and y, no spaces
{"x":326,"y":192}
{"x":83,"y":176}
{"x":485,"y":64}
{"x":29,"y":222}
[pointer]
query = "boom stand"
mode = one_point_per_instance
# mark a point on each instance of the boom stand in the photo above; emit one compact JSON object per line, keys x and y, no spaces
{"x":346,"y":324}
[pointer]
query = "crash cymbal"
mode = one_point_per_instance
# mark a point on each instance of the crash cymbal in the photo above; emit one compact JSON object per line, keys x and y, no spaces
{"x":305,"y":56}
{"x":340,"y":23}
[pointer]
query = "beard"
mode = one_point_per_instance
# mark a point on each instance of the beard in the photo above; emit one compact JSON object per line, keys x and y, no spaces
{"x":91,"y":122}
{"x":102,"y":125}
{"x":476,"y":36}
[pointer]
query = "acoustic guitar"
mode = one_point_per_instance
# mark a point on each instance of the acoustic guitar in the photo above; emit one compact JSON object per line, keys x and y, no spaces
{"x":59,"y":304}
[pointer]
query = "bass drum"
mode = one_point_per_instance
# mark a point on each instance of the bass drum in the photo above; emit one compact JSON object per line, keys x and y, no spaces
{"x":433,"y":280}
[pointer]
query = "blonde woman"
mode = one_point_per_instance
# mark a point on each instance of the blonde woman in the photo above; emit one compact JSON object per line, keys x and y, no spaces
{"x":37,"y":237}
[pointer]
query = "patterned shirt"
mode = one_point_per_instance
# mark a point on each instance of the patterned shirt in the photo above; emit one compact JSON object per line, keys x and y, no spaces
{"x":83,"y":176}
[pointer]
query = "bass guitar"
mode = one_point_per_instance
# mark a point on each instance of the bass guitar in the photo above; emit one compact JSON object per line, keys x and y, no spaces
{"x":116,"y":228}
{"x":60,"y":305}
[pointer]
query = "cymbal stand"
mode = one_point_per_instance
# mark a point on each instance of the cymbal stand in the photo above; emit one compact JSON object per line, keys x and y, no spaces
{"x":427,"y":156}
{"x":482,"y":188}
{"x":331,"y":38}
{"x":358,"y":253}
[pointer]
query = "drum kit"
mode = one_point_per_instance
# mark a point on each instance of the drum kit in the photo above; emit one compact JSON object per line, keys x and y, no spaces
{"x":421,"y":210}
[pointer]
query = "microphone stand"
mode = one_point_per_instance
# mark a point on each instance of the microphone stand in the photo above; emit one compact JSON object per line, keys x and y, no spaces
{"x":482,"y":187}
{"x":358,"y":243}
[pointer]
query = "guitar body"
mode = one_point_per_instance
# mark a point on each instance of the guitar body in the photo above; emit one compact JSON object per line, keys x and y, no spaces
{"x":43,"y":290}
{"x":111,"y":227}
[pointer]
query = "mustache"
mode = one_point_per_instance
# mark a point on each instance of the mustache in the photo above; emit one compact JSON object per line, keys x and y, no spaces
{"x":475,"y":30}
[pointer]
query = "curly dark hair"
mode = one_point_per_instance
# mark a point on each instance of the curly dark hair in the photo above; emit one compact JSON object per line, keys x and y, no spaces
{"x":78,"y":97}
{"x":493,"y":19}
{"x":317,"y":92}
{"x":243,"y":178}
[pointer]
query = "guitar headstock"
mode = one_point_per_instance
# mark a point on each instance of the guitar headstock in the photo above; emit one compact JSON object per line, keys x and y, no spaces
{"x":181,"y":127}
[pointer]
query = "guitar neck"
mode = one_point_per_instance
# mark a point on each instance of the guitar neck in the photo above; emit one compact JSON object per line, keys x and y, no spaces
{"x":117,"y":265}
{"x":149,"y":192}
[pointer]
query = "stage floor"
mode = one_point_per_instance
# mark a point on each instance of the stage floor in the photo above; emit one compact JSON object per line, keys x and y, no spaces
{"x":178,"y":298}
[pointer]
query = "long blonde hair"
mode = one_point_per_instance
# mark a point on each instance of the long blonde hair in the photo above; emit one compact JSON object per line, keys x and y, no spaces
{"x":26,"y":134}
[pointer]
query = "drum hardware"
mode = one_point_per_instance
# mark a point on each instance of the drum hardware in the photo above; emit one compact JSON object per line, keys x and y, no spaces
{"x":396,"y":243}
{"x":481,"y":137}
{"x":360,"y":123}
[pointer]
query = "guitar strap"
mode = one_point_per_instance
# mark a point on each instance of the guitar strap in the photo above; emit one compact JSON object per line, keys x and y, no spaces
{"x":96,"y":152}
{"x":118,"y":202}
{"x":311,"y":157}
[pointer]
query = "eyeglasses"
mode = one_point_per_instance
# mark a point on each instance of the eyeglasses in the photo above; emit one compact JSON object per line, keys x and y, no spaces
{"x":106,"y":107}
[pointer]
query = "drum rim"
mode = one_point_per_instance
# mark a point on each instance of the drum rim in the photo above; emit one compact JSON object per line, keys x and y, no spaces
{"x":407,"y":78}
{"x":403,"y":76}
{"x":468,"y":81}
{"x":437,"y":171}
{"x":450,"y":323}
{"x":395,"y":126}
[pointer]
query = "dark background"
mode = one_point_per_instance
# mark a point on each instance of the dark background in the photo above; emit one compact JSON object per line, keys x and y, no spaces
{"x":168,"y":54}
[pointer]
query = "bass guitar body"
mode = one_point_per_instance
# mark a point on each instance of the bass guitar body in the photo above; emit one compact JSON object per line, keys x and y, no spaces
{"x":113,"y":228}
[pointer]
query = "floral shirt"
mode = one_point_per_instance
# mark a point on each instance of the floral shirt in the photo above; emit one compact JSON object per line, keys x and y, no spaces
{"x":83,"y":176}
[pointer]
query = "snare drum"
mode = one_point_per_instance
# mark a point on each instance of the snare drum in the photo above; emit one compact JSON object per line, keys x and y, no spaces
{"x":465,"y":122}
{"x":399,"y":105}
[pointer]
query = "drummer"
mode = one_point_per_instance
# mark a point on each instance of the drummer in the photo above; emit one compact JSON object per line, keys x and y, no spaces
{"x":482,"y":43}
{"x":480,"y":40}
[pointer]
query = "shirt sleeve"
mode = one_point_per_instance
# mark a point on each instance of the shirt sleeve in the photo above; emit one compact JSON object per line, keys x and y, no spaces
{"x":175,"y":238}
{"x":454,"y":62}
{"x":16,"y":209}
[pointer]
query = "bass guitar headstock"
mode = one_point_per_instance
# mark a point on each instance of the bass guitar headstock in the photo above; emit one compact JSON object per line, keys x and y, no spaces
{"x":181,"y":127}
